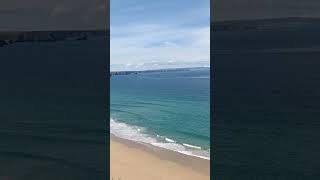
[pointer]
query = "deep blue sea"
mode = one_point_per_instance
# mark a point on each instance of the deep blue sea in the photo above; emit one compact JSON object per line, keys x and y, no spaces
{"x":166,"y":109}
{"x":266,"y":102}
{"x":52,"y":115}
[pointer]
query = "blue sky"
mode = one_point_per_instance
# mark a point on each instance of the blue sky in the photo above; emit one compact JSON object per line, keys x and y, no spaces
{"x":150,"y":34}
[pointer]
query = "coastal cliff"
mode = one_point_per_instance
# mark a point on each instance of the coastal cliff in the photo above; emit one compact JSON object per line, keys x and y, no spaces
{"x":266,"y":24}
{"x":7,"y":38}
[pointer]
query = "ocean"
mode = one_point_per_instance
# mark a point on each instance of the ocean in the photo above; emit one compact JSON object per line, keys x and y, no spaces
{"x":52,"y":114}
{"x":166,"y":109}
{"x":267,"y":95}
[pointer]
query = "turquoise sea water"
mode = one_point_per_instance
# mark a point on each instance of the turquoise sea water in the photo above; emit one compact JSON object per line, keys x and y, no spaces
{"x":166,"y":109}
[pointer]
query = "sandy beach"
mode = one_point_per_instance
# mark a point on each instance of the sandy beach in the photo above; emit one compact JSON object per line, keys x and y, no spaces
{"x":133,"y":161}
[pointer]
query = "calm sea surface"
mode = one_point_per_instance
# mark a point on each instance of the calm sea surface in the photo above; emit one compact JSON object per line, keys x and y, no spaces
{"x":267,"y":104}
{"x":52,"y":116}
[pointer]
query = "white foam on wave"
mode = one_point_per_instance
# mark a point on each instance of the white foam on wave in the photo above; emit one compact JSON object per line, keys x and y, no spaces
{"x":132,"y":133}
{"x":137,"y":134}
{"x":191,"y":146}
{"x":170,"y":140}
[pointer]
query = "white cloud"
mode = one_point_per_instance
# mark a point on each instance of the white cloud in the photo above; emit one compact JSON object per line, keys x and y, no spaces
{"x":139,"y":45}
{"x":158,"y":35}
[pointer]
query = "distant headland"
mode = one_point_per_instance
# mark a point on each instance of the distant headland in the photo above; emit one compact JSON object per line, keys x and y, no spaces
{"x":11,"y":37}
{"x":115,"y":73}
{"x":266,"y":24}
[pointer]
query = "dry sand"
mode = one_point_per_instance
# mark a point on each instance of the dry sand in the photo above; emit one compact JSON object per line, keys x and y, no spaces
{"x":133,"y":161}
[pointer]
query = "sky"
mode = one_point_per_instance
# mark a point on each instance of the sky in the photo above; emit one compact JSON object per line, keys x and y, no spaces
{"x":159,"y":34}
{"x":262,"y":9}
{"x":26,"y":15}
{"x":93,"y":14}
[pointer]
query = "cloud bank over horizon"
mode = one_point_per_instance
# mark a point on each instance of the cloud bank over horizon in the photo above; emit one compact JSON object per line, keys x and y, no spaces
{"x":166,"y":34}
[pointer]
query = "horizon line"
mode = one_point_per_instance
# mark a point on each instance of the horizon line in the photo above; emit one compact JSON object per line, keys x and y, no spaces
{"x":162,"y":69}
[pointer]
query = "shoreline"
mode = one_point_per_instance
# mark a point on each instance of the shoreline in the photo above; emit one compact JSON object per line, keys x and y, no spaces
{"x":143,"y":161}
{"x":163,"y":143}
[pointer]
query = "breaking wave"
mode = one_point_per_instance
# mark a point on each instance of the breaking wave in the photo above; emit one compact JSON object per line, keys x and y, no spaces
{"x":139,"y":134}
